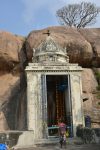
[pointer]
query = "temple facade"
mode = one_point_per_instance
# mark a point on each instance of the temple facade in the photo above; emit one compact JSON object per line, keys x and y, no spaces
{"x":54,"y":90}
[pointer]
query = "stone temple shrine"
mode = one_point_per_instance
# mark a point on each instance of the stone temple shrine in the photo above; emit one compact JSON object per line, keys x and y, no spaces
{"x":54,"y":90}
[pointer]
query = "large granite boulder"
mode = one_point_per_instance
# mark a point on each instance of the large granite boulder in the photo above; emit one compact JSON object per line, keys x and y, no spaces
{"x":91,"y":96}
{"x":82,"y":47}
{"x":11,"y":79}
{"x":93,"y":37}
{"x":79,"y":48}
{"x":89,"y":85}
{"x":10,"y":47}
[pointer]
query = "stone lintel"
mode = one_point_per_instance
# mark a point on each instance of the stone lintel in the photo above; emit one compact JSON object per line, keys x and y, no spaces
{"x":60,"y":68}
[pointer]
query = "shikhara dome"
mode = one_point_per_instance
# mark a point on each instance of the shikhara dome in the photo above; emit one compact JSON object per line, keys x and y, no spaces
{"x":49,"y":51}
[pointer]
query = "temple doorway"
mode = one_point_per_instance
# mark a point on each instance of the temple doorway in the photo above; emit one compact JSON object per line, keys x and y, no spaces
{"x":58,"y":99}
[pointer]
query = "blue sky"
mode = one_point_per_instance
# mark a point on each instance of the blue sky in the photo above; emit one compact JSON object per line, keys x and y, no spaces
{"x":22,"y":16}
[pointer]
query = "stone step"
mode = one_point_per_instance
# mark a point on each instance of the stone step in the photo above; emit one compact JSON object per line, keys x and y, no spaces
{"x":47,"y":141}
{"x":56,"y":140}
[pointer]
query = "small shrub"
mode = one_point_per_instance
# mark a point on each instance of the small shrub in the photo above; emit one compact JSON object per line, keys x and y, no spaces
{"x":98,"y":77}
{"x":98,"y":103}
{"x":86,"y":134}
{"x":98,"y":87}
{"x":98,"y":95}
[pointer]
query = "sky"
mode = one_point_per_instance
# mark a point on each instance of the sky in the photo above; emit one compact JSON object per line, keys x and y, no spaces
{"x":22,"y":16}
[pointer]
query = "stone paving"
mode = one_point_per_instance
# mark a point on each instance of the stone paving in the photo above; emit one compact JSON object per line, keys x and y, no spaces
{"x":68,"y":147}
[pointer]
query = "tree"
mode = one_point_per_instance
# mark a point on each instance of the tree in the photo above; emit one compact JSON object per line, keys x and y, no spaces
{"x":78,"y":15}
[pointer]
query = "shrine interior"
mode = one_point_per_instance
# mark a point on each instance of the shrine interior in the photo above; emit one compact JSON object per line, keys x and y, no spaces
{"x":58,"y":99}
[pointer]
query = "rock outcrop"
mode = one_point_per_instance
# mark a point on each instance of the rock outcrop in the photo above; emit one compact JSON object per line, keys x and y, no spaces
{"x":91,"y":101}
{"x":10,"y":47}
{"x":80,"y":50}
{"x":93,"y":37}
{"x":11,"y":88}
{"x":82,"y":46}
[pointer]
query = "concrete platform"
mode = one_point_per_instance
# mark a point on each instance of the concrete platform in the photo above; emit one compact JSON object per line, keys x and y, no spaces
{"x":68,"y":147}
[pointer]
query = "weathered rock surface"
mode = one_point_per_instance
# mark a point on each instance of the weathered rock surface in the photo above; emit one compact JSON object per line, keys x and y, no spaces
{"x":3,"y":122}
{"x":7,"y":81}
{"x":82,"y":46}
{"x":79,"y":48}
{"x":11,"y":89}
{"x":93,"y":37}
{"x":89,"y":84}
{"x":10,"y":46}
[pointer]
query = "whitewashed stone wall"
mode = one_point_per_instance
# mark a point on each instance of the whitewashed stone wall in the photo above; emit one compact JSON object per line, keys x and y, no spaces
{"x":76,"y":98}
{"x":34,"y":113}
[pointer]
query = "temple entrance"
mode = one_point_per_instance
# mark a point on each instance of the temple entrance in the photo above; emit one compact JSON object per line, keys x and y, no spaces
{"x":58,"y":100}
{"x":54,"y":91}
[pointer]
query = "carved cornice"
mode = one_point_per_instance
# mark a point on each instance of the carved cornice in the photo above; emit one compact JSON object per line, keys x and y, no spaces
{"x":62,"y":68}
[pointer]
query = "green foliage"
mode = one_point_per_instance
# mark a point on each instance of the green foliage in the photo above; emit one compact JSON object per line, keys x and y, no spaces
{"x":98,"y":87}
{"x":98,"y":95}
{"x":86,"y":134}
{"x":97,"y":75}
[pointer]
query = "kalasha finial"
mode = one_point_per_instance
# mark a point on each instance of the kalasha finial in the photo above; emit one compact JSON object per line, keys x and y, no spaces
{"x":48,"y":32}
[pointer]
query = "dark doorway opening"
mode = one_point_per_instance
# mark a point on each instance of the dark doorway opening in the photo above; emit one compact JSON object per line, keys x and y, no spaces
{"x":57,"y":99}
